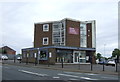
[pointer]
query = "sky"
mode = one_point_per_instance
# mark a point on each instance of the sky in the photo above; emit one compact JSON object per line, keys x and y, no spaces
{"x":17,"y":20}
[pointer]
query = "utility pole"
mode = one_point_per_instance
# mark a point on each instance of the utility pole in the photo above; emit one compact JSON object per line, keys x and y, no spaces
{"x":104,"y":60}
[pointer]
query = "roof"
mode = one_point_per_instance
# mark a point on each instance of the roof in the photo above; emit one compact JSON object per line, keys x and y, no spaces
{"x":8,"y":48}
{"x":65,"y":19}
{"x":61,"y":47}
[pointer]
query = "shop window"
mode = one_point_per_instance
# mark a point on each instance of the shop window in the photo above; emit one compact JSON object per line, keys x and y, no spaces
{"x":43,"y":55}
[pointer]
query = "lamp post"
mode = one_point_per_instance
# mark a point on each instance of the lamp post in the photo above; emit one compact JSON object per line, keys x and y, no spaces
{"x":104,"y":60}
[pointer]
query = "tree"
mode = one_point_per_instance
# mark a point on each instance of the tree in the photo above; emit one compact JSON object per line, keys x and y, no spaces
{"x":99,"y":56}
{"x":116,"y":52}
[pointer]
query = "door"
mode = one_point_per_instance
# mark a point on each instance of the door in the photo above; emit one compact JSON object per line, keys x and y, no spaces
{"x":76,"y":55}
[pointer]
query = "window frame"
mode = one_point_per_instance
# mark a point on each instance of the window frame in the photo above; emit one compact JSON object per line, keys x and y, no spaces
{"x":44,"y":40}
{"x":44,"y":28}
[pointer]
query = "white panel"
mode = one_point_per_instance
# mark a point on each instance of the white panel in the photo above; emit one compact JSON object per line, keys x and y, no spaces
{"x":93,"y":34}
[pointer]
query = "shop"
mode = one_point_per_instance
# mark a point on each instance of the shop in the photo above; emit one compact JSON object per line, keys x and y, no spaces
{"x":54,"y":54}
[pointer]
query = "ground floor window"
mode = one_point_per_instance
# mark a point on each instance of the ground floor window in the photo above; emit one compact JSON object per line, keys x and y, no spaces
{"x":65,"y":55}
{"x":73,"y":57}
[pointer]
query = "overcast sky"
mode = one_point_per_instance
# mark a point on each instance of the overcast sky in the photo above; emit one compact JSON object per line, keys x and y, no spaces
{"x":18,"y":18}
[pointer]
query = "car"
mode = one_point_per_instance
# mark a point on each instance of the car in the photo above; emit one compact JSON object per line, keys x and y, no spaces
{"x":111,"y":62}
{"x":19,"y":58}
{"x":102,"y":62}
{"x":4,"y":57}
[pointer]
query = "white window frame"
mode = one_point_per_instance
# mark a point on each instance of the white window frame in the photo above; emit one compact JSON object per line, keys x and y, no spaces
{"x":44,"y":29}
{"x":44,"y":41}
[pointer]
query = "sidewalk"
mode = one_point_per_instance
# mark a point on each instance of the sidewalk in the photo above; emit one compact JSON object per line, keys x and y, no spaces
{"x":83,"y":68}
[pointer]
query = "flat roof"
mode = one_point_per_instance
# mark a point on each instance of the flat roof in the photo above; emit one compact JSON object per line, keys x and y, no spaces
{"x":60,"y":47}
{"x":63,"y":20}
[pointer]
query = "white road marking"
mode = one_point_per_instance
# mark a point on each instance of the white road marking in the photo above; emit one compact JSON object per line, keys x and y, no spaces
{"x":109,"y":77}
{"x":73,"y":79}
{"x":87,"y":78}
{"x":24,"y":71}
{"x":73,"y":73}
{"x":56,"y":77}
{"x":68,"y":75}
{"x":91,"y":74}
{"x":81,"y":73}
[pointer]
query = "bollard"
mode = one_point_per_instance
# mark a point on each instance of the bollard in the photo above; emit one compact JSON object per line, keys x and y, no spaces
{"x":26,"y":61}
{"x":14,"y":59}
{"x":35,"y":61}
{"x":48,"y":62}
{"x":91,"y":66}
{"x":79,"y":65}
{"x":103,"y":66}
{"x":116,"y":67}
{"x":62,"y":63}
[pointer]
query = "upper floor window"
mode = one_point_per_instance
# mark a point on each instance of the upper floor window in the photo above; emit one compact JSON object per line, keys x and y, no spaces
{"x":45,"y":41}
{"x":46,"y":27}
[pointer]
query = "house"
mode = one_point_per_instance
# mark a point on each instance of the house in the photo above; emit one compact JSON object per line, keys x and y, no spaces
{"x":67,"y":40}
{"x":5,"y":50}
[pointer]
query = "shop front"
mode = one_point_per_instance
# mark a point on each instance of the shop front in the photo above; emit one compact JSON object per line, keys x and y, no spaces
{"x":60,"y":54}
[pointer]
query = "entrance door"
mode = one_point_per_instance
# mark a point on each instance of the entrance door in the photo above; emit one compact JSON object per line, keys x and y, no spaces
{"x":76,"y":55}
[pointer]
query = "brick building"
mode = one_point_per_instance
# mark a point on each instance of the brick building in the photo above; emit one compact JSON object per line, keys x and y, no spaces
{"x":5,"y":50}
{"x":67,"y":40}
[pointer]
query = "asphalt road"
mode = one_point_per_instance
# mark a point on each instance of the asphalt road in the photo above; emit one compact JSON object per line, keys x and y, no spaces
{"x":11,"y":72}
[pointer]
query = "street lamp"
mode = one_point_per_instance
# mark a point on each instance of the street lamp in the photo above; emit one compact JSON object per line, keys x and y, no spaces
{"x":104,"y":55}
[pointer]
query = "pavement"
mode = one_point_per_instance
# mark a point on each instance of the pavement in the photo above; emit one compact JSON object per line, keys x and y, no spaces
{"x":82,"y":68}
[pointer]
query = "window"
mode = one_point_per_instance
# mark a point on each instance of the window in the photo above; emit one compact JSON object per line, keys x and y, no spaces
{"x":46,"y":27}
{"x":45,"y":41}
{"x":43,"y":55}
{"x":83,"y":38}
{"x":58,"y":34}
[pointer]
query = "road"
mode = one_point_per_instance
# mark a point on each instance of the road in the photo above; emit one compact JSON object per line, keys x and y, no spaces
{"x":12,"y":72}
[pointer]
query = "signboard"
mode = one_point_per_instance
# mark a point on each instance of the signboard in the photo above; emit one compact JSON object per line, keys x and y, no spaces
{"x":50,"y":54}
{"x":35,"y":55}
{"x":74,"y":31}
{"x":87,"y":58}
{"x":27,"y":55}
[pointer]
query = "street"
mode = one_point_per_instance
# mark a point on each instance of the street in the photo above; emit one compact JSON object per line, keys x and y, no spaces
{"x":12,"y":72}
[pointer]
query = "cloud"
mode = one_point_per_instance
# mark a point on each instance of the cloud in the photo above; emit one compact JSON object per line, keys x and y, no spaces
{"x":18,"y":20}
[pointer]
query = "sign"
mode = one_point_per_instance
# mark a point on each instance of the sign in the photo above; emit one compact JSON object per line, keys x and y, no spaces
{"x":74,"y":31}
{"x":87,"y":58}
{"x":50,"y":54}
{"x":27,"y":55}
{"x":35,"y":55}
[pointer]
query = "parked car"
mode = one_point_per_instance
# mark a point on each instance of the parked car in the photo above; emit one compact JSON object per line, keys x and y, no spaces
{"x":19,"y":58}
{"x":103,"y":62}
{"x":111,"y":62}
{"x":4,"y":57}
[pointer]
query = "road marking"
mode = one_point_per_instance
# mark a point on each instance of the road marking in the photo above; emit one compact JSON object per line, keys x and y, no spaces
{"x":73,"y":73}
{"x":109,"y":77}
{"x":91,"y":74}
{"x":24,"y":71}
{"x":73,"y":79}
{"x":68,"y":75}
{"x":81,"y":73}
{"x":87,"y":78}
{"x":56,"y":77}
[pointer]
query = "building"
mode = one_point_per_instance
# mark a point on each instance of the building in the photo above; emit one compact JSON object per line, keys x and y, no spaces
{"x":67,"y":40}
{"x":5,"y":50}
